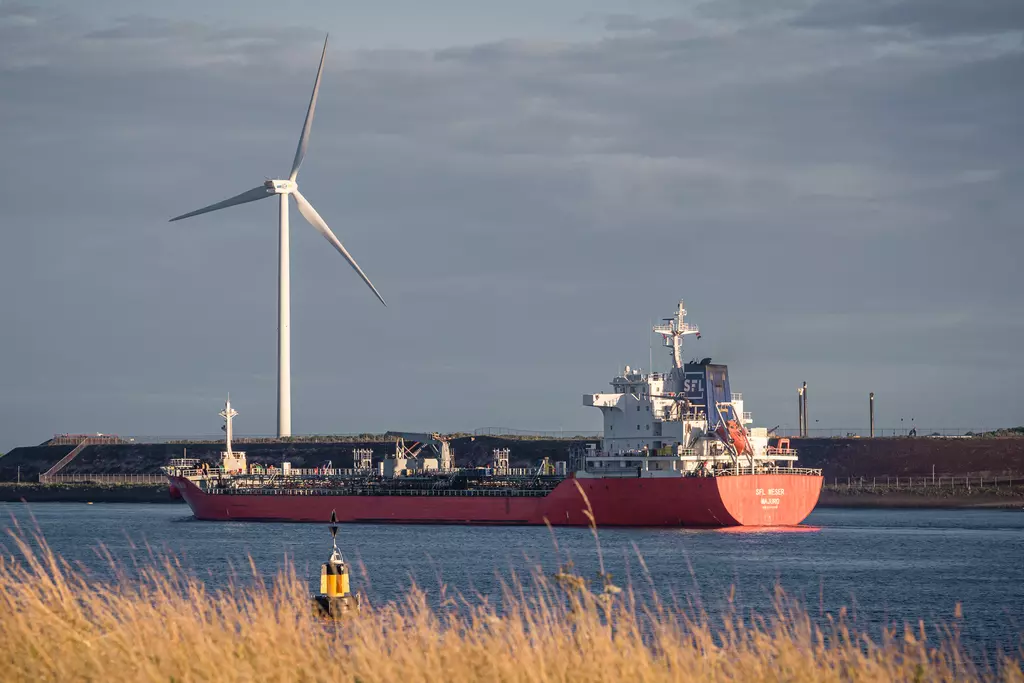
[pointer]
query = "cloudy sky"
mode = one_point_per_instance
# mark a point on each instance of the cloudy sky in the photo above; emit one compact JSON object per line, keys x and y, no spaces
{"x":835,"y":188}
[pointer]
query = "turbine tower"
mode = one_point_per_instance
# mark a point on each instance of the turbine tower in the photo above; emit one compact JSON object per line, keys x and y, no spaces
{"x":284,"y":189}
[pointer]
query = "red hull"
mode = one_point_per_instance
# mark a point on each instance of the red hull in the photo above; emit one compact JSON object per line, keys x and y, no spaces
{"x":744,"y":500}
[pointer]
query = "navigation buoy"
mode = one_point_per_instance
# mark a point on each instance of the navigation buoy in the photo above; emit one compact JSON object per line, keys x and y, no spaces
{"x":335,"y":598}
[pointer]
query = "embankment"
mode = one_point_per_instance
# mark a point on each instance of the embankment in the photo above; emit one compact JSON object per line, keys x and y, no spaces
{"x":28,"y":462}
{"x":839,"y":459}
{"x":977,"y":497}
{"x":85,"y":493}
{"x":902,"y":456}
{"x":137,"y":458}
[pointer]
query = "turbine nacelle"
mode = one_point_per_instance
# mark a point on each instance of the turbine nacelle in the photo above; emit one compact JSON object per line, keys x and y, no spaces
{"x":281,"y":186}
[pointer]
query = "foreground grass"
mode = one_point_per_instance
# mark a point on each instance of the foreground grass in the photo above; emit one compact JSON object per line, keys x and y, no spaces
{"x":55,"y":625}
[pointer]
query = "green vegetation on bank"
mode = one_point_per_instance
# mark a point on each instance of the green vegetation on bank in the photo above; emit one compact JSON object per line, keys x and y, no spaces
{"x":999,"y":433}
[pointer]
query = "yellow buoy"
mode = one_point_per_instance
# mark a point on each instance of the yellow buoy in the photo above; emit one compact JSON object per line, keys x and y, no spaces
{"x":335,"y":598}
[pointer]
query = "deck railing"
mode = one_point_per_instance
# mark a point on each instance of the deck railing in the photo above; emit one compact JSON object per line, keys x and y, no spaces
{"x":374,"y":491}
{"x":102,"y":478}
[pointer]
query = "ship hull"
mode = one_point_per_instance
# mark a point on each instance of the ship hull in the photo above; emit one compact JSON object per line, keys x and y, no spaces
{"x":742,"y":500}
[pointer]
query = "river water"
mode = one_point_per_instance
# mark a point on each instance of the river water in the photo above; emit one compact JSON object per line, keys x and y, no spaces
{"x":886,"y":566}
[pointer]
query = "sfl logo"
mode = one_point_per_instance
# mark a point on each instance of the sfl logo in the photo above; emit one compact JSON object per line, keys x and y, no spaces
{"x":693,"y":387}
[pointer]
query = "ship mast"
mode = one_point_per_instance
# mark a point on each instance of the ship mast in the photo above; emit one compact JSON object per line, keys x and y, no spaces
{"x":673,"y":330}
{"x":228,"y":414}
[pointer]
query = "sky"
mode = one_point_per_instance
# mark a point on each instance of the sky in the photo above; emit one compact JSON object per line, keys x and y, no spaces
{"x":834,"y":188}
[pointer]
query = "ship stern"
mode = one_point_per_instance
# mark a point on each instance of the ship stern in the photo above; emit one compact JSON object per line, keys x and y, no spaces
{"x":769,"y":499}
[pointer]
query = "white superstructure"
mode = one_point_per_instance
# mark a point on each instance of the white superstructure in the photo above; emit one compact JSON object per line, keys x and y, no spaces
{"x":231,"y":461}
{"x":684,"y":421}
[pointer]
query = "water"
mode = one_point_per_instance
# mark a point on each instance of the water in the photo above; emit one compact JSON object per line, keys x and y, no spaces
{"x":886,"y":566}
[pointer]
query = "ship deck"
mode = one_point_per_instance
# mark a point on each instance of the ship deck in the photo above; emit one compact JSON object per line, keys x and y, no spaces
{"x":375,"y":485}
{"x":459,"y":484}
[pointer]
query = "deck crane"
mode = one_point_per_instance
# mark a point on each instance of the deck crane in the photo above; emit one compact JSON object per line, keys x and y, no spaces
{"x":438,"y":445}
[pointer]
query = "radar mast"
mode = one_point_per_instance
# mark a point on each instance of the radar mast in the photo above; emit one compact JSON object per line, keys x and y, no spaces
{"x":672,"y":331}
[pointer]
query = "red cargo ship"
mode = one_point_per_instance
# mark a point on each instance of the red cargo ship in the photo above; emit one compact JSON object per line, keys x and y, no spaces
{"x":676,"y":452}
{"x":743,"y":500}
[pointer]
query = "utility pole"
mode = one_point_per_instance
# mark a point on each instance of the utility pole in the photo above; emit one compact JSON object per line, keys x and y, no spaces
{"x":806,"y":423}
{"x":800,"y":411}
{"x":871,"y":413}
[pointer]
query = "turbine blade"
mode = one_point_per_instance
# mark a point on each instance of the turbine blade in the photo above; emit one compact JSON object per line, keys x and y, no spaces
{"x":300,"y":152}
{"x":252,"y":195}
{"x":310,"y":214}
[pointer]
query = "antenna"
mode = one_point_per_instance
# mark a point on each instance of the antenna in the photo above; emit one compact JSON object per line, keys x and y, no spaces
{"x":650,"y":350}
{"x":673,"y":332}
{"x":334,"y":531}
{"x":228,"y":414}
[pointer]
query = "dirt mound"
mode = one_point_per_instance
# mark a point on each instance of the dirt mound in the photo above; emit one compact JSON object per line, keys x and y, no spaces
{"x":32,"y":460}
{"x":836,"y":457}
{"x":912,"y":456}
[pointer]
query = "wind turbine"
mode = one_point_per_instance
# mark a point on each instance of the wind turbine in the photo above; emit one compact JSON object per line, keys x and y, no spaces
{"x":283,"y":189}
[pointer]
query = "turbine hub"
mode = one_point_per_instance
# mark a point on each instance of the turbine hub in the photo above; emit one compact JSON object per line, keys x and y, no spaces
{"x":281,"y":186}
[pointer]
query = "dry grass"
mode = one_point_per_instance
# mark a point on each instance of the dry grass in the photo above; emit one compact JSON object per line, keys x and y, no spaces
{"x":56,"y":625}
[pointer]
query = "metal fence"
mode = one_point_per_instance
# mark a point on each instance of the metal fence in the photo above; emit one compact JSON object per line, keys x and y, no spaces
{"x":256,"y":439}
{"x":936,"y":481}
{"x":859,"y":432}
{"x":553,"y":434}
{"x":571,"y":434}
{"x":353,"y":438}
{"x":102,"y":479}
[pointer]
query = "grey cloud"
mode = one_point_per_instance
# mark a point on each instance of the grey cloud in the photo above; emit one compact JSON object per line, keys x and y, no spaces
{"x":138,"y":43}
{"x":628,"y":22}
{"x":930,"y":17}
{"x":824,"y":199}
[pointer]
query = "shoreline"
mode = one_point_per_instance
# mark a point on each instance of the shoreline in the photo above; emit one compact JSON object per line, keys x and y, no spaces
{"x":920,"y":498}
{"x":1004,"y":498}
{"x":11,"y":492}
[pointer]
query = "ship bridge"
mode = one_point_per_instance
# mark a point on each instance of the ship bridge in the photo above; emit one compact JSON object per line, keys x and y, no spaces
{"x":679,"y":420}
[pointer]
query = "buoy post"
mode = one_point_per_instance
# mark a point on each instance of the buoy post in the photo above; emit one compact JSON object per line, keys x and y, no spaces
{"x":335,"y":598}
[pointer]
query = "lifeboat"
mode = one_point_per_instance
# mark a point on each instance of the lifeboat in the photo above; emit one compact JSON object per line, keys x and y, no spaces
{"x":737,"y":436}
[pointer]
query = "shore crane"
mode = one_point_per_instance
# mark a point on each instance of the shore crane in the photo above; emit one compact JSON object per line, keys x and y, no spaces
{"x":438,"y":445}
